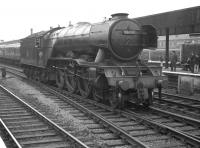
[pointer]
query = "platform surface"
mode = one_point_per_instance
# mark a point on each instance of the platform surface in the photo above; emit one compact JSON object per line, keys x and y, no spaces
{"x":180,"y":71}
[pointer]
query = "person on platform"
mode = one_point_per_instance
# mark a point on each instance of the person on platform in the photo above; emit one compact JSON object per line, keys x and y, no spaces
{"x":188,"y":68}
{"x":3,"y":72}
{"x":192,"y":61}
{"x":161,"y":61}
{"x":196,"y":64}
{"x":199,"y":61}
{"x":173,"y":61}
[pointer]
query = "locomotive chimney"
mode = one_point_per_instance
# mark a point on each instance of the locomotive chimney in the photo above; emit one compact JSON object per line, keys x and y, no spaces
{"x":119,"y":15}
{"x":70,"y":24}
{"x":31,"y":31}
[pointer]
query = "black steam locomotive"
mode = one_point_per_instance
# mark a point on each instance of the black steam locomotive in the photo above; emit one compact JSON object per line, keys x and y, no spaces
{"x":100,"y":61}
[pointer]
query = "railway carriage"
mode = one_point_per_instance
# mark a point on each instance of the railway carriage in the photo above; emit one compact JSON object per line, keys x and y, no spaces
{"x":10,"y":52}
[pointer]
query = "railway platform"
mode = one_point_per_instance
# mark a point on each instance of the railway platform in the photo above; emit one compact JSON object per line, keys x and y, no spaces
{"x":183,"y":81}
{"x":180,"y":71}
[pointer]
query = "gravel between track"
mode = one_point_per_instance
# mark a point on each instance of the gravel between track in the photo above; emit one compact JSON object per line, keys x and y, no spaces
{"x":37,"y":99}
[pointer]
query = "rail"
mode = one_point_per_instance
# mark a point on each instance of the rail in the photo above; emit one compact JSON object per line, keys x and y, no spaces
{"x":67,"y":135}
{"x":188,"y":139}
{"x":9,"y":134}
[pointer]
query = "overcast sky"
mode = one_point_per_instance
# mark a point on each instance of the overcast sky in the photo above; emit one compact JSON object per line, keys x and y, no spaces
{"x":18,"y":16}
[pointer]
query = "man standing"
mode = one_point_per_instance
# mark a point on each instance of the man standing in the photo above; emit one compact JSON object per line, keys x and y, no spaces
{"x":161,"y":61}
{"x":192,"y":62}
{"x":173,"y":61}
{"x":3,"y":72}
{"x":196,"y":64}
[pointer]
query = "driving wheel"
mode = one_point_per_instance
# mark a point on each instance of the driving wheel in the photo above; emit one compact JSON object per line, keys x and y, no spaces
{"x":84,"y":85}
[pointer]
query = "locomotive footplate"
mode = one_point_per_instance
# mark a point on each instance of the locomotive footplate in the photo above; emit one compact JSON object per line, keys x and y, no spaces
{"x":128,"y":82}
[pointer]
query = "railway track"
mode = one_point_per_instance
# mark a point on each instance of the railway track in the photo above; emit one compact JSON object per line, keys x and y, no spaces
{"x":184,"y":106}
{"x":29,"y":128}
{"x":127,"y":125}
{"x":186,"y":125}
{"x":110,"y":137}
{"x":149,"y":132}
{"x":178,"y":104}
{"x":7,"y":137}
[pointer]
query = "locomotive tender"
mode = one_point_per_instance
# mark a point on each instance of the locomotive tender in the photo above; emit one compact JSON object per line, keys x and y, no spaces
{"x":99,"y":60}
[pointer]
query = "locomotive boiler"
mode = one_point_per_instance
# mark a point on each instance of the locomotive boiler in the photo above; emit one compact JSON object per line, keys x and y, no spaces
{"x":99,"y":61}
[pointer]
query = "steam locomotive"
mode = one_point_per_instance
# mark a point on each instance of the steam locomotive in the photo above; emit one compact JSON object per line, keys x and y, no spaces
{"x":99,"y":61}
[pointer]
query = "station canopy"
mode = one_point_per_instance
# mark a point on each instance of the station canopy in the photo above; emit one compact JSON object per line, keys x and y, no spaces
{"x":184,"y":21}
